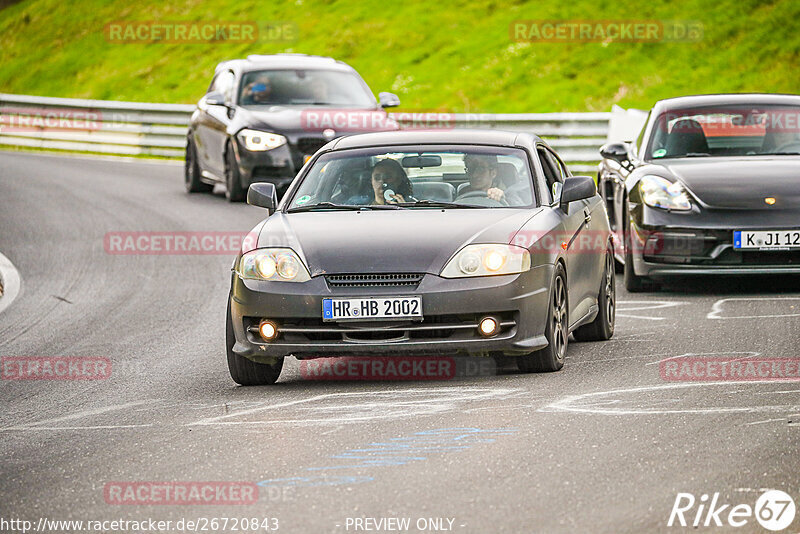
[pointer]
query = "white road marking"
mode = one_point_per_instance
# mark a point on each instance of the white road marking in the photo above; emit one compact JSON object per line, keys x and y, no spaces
{"x":377,"y":405}
{"x":54,"y":428}
{"x":577,"y":404}
{"x":639,"y":305}
{"x":692,"y":354}
{"x":12,"y":282}
{"x":79,"y":415}
{"x":765,"y":421}
{"x":716,"y":308}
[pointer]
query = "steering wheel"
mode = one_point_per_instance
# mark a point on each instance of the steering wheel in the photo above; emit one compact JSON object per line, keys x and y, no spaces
{"x":483,"y":199}
{"x":792,"y":146}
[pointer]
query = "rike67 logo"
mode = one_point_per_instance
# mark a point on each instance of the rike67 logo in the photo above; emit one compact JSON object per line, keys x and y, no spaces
{"x":774,"y":510}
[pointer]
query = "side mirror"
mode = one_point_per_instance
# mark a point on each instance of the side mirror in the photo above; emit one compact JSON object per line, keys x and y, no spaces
{"x":577,"y":188}
{"x":263,"y":195}
{"x":616,"y":151}
{"x":388,"y":100}
{"x":215,"y":99}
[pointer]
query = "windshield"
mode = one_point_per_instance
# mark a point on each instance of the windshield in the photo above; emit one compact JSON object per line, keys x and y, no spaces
{"x":726,"y":131}
{"x":449,"y":177}
{"x":304,"y":87}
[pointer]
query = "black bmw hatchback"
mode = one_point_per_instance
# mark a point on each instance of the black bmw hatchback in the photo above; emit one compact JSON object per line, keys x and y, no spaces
{"x":264,"y":116}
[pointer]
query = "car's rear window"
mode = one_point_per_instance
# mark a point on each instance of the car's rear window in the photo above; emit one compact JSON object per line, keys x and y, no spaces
{"x":483,"y":176}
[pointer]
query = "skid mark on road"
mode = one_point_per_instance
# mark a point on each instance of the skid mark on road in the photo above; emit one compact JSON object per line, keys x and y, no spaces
{"x":765,"y":308}
{"x":676,"y":399}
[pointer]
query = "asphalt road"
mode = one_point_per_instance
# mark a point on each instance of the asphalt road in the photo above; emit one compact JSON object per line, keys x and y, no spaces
{"x":605,"y":445}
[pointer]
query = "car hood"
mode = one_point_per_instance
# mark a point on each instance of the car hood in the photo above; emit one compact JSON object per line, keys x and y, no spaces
{"x":741,"y":183}
{"x":419,"y":240}
{"x":315,"y":119}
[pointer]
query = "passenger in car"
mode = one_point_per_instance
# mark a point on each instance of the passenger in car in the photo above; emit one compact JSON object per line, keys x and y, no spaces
{"x":390,"y":183}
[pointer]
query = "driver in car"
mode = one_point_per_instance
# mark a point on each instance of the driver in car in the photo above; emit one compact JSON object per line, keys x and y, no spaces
{"x":482,"y":175}
{"x":258,"y":91}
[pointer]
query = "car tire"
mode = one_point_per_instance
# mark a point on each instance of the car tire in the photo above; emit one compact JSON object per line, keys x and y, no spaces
{"x":602,"y":328}
{"x":234,"y":191}
{"x":551,"y":358}
{"x":633,"y":282}
{"x":191,"y":171}
{"x":247,"y":372}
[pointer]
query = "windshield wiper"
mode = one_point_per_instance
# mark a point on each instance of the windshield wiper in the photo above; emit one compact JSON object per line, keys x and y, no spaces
{"x":779,"y":154}
{"x":346,"y":207}
{"x":438,"y":204}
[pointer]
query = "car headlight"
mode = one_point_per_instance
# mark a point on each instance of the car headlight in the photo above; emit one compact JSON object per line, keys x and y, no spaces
{"x":487,"y":260}
{"x":256,"y":141}
{"x":273,"y":264}
{"x":658,"y":192}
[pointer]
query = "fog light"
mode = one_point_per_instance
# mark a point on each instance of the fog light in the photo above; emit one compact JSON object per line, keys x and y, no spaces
{"x":268,"y":330}
{"x":488,"y":326}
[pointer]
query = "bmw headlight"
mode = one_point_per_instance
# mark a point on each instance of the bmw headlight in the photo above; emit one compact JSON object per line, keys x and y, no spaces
{"x":658,"y":192}
{"x":273,"y":264}
{"x":256,"y":141}
{"x":487,"y":260}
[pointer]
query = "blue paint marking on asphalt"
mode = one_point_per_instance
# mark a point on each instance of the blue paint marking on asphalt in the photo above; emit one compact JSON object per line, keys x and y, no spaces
{"x":393,"y":452}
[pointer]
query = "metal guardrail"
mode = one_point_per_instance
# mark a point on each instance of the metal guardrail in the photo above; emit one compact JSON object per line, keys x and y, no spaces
{"x":133,"y":128}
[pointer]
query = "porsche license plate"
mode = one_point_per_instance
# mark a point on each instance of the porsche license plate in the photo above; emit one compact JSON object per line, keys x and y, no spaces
{"x":369,"y":308}
{"x":766,"y":239}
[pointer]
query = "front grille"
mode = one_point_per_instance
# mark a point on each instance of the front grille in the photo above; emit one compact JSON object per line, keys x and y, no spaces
{"x":374,"y":280}
{"x":309,"y":145}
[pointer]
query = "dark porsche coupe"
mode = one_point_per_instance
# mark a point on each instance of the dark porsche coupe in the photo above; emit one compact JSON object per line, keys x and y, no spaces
{"x":423,"y":243}
{"x":711,"y":186}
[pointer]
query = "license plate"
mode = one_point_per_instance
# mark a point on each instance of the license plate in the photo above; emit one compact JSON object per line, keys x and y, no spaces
{"x":342,"y":309}
{"x":766,"y":239}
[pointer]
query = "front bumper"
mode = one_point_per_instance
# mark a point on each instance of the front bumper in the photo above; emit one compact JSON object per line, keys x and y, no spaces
{"x":449,"y":307}
{"x":277,"y":166}
{"x":668,"y":244}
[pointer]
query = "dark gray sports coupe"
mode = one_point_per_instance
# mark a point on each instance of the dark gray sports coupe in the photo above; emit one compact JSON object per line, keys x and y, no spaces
{"x":711,"y":186}
{"x":423,"y":243}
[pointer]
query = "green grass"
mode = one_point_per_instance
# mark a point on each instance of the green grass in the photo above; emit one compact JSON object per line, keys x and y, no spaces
{"x":450,"y":56}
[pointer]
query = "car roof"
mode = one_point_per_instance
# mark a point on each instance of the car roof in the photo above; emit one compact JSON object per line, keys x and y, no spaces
{"x":285,"y":61}
{"x":458,"y":136}
{"x":684,"y":102}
